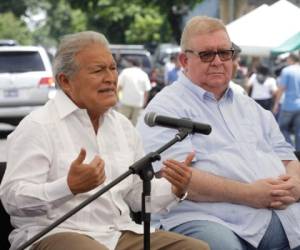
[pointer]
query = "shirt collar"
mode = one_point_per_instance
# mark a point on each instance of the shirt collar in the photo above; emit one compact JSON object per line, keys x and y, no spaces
{"x":200,"y":92}
{"x":229,"y":93}
{"x":65,"y":105}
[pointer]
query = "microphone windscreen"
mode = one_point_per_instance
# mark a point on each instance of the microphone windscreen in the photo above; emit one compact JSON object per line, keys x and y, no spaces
{"x":150,"y":119}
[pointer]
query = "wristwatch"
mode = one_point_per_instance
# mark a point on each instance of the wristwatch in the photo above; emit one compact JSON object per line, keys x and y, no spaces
{"x":182,"y":198}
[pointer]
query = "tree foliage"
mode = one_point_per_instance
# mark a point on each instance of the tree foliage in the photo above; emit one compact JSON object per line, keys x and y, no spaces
{"x":141,"y":19}
{"x":145,"y":27}
{"x":173,"y":11}
{"x":65,"y":19}
{"x":122,"y":21}
{"x":14,"y":28}
{"x":16,"y":7}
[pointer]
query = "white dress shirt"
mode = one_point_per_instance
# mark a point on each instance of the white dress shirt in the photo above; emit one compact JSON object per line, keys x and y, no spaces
{"x":34,"y":189}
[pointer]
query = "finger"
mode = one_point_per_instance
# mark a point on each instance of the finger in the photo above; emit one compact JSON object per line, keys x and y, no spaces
{"x":188,"y":160}
{"x":275,"y":204}
{"x":286,"y":200}
{"x":174,"y":181}
{"x":172,"y":161}
{"x":101,"y":177}
{"x":81,"y":156}
{"x":158,"y":174}
{"x":183,"y":179}
{"x":278,"y":193}
{"x":280,"y":184}
{"x":284,"y":177}
{"x":285,"y":186}
{"x":96,"y":161}
{"x":177,"y":169}
{"x":97,"y":169}
{"x":274,"y":181}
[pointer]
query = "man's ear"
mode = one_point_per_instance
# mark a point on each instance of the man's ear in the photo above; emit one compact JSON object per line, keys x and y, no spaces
{"x":183,"y":60}
{"x":64,"y":82}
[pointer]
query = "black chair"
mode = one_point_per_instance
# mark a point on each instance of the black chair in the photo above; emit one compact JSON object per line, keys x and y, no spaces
{"x":297,"y":153}
{"x":5,"y":227}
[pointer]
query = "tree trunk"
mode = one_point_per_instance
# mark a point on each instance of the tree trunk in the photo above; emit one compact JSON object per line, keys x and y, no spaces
{"x":175,"y":21}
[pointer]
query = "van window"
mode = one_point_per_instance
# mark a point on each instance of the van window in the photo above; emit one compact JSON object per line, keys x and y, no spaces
{"x":20,"y":61}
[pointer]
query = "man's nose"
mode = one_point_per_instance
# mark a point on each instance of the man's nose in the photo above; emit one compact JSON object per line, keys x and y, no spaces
{"x":216,"y":59}
{"x":111,"y":75}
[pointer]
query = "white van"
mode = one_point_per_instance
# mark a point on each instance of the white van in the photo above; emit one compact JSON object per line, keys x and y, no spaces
{"x":26,"y":81}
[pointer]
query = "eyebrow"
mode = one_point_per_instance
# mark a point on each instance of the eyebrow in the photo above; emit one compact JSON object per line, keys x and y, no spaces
{"x":101,"y":65}
{"x":215,"y":49}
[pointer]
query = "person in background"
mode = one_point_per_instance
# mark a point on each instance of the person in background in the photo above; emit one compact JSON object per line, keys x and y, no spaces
{"x":169,"y":65}
{"x":156,"y":85}
{"x":235,"y":59}
{"x":134,"y":85}
{"x":280,"y":63}
{"x":73,"y":146}
{"x":173,"y":73}
{"x":262,"y":87}
{"x":245,"y":186}
{"x":289,"y":114}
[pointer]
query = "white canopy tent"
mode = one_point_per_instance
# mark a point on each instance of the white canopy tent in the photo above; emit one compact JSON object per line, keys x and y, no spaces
{"x":265,"y":28}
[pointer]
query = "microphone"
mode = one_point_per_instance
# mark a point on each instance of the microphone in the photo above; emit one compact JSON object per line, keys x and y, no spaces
{"x":152,"y":119}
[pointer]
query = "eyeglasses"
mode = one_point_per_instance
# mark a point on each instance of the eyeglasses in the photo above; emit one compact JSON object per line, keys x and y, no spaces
{"x":209,"y":56}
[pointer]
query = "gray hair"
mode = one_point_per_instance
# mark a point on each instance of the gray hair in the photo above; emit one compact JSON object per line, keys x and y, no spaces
{"x":70,"y":45}
{"x":199,"y":25}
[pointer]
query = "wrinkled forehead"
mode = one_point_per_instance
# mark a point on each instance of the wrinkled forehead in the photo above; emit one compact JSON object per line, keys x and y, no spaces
{"x":94,"y":52}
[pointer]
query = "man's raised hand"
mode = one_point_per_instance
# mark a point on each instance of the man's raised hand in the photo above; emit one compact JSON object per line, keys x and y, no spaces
{"x":84,"y":177}
{"x":179,"y":174}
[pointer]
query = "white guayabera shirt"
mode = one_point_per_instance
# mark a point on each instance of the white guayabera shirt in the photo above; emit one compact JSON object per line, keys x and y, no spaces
{"x":34,"y":189}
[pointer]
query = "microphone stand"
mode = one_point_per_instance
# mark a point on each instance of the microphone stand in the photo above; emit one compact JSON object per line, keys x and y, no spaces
{"x":146,"y":173}
{"x":143,"y":168}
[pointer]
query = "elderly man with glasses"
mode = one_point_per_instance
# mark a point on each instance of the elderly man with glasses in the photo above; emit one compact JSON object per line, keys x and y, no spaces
{"x":245,"y":185}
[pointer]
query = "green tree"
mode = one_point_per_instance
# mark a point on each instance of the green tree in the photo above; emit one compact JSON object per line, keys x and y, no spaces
{"x":145,"y":27}
{"x":62,"y":19}
{"x":173,"y":11}
{"x":17,"y":7}
{"x":128,"y":20}
{"x":122,"y":21}
{"x":20,"y":7}
{"x":14,"y":28}
{"x":128,"y":23}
